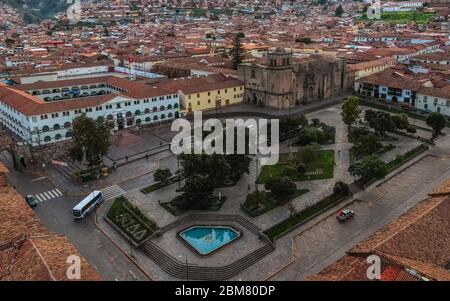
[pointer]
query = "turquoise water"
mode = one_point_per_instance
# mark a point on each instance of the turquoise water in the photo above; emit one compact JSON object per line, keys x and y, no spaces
{"x":207,"y":239}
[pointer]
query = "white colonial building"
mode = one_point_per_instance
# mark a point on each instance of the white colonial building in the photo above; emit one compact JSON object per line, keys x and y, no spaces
{"x":43,"y":112}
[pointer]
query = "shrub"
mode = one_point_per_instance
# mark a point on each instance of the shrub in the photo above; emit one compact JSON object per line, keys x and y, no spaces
{"x":341,"y":188}
{"x":301,"y":168}
{"x":411,"y":129}
{"x":283,"y":189}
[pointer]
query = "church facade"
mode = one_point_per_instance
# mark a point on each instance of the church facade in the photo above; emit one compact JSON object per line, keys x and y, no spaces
{"x":283,"y":83}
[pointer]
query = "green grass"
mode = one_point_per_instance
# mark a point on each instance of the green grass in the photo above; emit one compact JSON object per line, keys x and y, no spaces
{"x":324,"y":160}
{"x":404,"y":17}
{"x":130,"y":220}
{"x":356,"y":155}
{"x":267,"y":200}
{"x":302,"y":216}
{"x":400,"y":160}
{"x":159,"y":185}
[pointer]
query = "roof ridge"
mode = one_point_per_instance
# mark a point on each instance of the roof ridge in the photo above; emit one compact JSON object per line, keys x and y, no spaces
{"x":410,"y":221}
{"x":43,"y":260}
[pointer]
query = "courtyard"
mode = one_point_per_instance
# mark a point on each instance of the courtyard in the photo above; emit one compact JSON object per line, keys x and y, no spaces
{"x":255,"y":231}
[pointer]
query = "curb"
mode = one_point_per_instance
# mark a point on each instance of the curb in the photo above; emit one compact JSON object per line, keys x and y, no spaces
{"x":120,"y":248}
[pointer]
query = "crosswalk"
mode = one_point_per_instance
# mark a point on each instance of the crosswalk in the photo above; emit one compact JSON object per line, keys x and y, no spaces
{"x":48,"y":195}
{"x":112,"y":192}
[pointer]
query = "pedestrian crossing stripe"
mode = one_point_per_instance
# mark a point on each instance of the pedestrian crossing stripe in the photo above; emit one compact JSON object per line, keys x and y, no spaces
{"x":112,"y":192}
{"x":48,"y":195}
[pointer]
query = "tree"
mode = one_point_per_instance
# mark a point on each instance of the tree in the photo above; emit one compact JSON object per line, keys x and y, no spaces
{"x":400,"y":121}
{"x":341,"y":188}
{"x":437,"y":122}
{"x":301,"y":168}
{"x":9,"y":42}
{"x":284,"y":189}
{"x":237,"y":52}
{"x":339,"y":11}
{"x":162,"y":176}
{"x":379,"y":121}
{"x":304,"y":40}
{"x":370,"y":167}
{"x":308,"y":153}
{"x":367,"y":144}
{"x":350,"y":110}
{"x":197,"y":192}
{"x":91,"y":140}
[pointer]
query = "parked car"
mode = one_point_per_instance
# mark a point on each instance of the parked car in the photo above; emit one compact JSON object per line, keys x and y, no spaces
{"x":345,"y":214}
{"x":31,"y":200}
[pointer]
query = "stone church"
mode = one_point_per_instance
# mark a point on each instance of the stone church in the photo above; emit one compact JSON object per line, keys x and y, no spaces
{"x":283,"y":82}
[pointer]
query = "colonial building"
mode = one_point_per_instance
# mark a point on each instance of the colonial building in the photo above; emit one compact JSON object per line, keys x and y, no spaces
{"x":200,"y":93}
{"x":42,"y":112}
{"x":284,"y":82}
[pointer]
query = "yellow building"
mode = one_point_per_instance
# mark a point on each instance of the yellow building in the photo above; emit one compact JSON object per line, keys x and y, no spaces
{"x":206,"y":92}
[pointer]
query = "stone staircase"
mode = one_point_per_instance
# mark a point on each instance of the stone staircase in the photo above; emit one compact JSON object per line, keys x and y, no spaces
{"x":180,"y":270}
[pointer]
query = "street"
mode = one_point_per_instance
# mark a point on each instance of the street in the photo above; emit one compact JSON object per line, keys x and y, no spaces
{"x":55,"y":213}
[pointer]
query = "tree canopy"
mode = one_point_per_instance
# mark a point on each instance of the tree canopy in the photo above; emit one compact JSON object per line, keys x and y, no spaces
{"x":437,"y":122}
{"x":91,"y":140}
{"x":350,"y":110}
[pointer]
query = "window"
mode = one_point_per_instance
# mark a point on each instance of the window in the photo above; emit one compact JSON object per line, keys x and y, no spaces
{"x":45,"y":128}
{"x":253,"y":75}
{"x":56,"y":127}
{"x":155,"y":109}
{"x":137,"y":112}
{"x":67,"y":113}
{"x":55,"y":115}
{"x":67,"y":125}
{"x":209,"y":93}
{"x":88,"y":109}
{"x":47,"y":139}
{"x":44,"y":117}
{"x":136,"y":102}
{"x":108,"y":106}
{"x":218,"y":91}
{"x":118,"y":105}
{"x":58,"y":137}
{"x":146,"y":101}
{"x":162,"y":108}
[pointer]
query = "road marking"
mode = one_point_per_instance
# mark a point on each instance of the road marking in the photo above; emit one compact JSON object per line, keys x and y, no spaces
{"x":39,"y":198}
{"x":47,"y":196}
{"x":354,"y":235}
{"x":42,"y":197}
{"x":41,"y":178}
{"x":51,"y":194}
{"x":310,"y":266}
{"x":57,"y":192}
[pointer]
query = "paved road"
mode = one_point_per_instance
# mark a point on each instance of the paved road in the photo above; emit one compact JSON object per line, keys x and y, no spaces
{"x":55,"y":213}
{"x":328,"y":240}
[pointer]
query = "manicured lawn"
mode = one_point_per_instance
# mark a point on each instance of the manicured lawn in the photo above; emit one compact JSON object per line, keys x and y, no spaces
{"x":265,"y":201}
{"x":324,"y":160}
{"x":300,"y":217}
{"x":157,"y":186}
{"x":130,"y":220}
{"x":404,"y":17}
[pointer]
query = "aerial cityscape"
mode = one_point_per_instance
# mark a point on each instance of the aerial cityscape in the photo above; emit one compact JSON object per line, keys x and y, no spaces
{"x":225,"y":140}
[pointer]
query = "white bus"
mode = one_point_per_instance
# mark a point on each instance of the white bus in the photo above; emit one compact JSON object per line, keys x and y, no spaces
{"x":88,"y":204}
